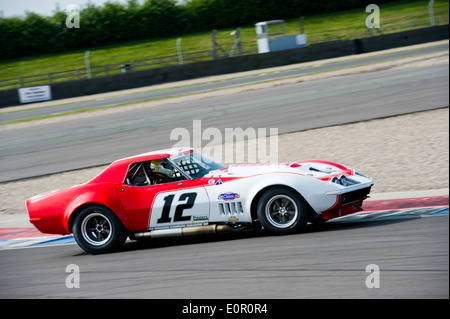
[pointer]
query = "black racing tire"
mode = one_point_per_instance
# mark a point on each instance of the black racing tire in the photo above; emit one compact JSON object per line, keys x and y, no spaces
{"x":97,"y":230}
{"x":282,"y":211}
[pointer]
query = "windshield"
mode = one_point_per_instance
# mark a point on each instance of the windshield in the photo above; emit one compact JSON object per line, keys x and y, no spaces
{"x":195,"y":164}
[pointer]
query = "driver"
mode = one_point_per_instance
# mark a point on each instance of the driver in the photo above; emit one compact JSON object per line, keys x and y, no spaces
{"x":161,"y":171}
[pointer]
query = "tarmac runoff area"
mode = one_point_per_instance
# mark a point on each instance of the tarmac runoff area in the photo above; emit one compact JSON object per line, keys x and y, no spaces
{"x":401,"y":154}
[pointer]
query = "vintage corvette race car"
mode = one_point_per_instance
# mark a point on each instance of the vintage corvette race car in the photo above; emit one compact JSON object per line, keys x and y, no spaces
{"x":180,"y":192}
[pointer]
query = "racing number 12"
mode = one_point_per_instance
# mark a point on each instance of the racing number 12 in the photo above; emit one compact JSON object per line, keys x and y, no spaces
{"x":165,"y":218}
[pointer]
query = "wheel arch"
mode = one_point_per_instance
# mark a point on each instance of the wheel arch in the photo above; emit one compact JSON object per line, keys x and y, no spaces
{"x":78,"y":209}
{"x":103,"y":195}
{"x":255,"y":200}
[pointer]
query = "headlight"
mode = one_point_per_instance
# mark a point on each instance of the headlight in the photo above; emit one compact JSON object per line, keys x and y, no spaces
{"x":344,"y":181}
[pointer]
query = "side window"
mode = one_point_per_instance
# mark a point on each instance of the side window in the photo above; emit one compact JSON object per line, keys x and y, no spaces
{"x":152,"y":173}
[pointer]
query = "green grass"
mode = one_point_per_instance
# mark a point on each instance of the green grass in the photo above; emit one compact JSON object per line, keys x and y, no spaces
{"x":394,"y":17}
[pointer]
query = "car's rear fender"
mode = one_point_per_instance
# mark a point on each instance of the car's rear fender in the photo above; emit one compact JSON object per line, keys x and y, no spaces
{"x":97,"y":194}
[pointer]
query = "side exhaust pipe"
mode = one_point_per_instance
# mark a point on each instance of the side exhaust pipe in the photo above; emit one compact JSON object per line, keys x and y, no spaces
{"x":184,"y":231}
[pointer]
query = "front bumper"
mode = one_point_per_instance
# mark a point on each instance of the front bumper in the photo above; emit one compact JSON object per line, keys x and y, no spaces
{"x":348,"y":201}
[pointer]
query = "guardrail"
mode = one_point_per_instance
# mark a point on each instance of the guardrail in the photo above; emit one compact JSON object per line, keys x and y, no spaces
{"x":104,"y":70}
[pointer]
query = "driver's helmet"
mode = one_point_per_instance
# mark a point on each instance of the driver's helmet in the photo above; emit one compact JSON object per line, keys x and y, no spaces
{"x":161,"y":166}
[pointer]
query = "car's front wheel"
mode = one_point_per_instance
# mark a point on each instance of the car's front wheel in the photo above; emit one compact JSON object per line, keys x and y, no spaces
{"x":282,"y":211}
{"x":97,"y":230}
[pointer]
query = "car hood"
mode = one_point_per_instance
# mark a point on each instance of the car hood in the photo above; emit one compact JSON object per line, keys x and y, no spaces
{"x":317,"y":169}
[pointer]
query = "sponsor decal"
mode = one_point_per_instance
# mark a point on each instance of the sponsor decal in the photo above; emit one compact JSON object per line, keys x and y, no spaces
{"x":228,"y":196}
{"x":195,"y":218}
{"x":233,"y":219}
{"x":214,"y":181}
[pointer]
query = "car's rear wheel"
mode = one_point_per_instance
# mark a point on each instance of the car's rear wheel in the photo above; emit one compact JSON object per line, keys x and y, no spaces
{"x":97,"y":230}
{"x":282,"y":211}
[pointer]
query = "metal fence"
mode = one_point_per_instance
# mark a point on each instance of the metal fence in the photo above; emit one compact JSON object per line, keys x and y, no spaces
{"x":218,"y":51}
{"x":104,"y":70}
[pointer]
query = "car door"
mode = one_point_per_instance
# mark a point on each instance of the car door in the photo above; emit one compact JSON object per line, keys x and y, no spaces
{"x":173,"y":204}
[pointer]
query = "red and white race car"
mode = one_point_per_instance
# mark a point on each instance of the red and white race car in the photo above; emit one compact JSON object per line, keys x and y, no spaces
{"x":179,"y":192}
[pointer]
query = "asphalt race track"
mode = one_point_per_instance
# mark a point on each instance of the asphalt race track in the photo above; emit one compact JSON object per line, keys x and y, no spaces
{"x":81,"y":143}
{"x":201,"y":87}
{"x":327,"y":261}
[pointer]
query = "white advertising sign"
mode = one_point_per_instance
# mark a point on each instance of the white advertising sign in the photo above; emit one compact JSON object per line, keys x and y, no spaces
{"x":35,"y":94}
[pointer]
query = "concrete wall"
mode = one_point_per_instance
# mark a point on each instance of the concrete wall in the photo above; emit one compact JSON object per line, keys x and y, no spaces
{"x":313,"y":52}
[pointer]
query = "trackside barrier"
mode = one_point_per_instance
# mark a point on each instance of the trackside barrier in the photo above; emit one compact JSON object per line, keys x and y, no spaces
{"x":103,"y":70}
{"x":326,"y":50}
